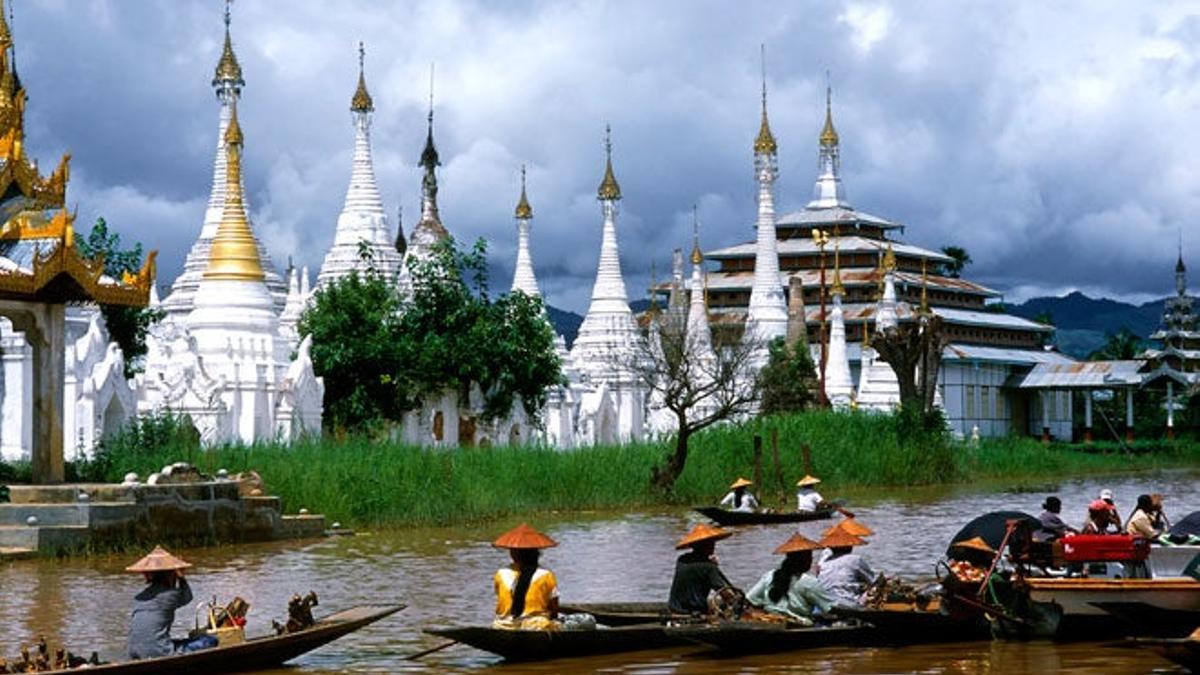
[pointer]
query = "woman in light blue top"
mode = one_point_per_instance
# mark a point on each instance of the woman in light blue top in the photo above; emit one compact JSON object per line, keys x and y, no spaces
{"x":790,"y":590}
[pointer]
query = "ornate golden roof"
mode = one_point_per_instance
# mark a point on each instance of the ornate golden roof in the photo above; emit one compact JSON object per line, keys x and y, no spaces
{"x":234,"y":253}
{"x":523,"y":211}
{"x":829,"y":135}
{"x":361,"y":101}
{"x":228,"y":69}
{"x":609,"y":189}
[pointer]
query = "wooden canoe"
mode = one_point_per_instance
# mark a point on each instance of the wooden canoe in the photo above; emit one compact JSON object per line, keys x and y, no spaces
{"x":905,"y":624}
{"x":1142,"y":619}
{"x":621,"y":613}
{"x":733,"y":518}
{"x":254,"y":654}
{"x":753,"y":637}
{"x":1184,"y":651}
{"x":543,"y":645}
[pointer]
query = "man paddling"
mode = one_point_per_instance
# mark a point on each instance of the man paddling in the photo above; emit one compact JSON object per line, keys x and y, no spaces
{"x":696,"y":572}
{"x":154,"y":607}
{"x":808,"y":499}
{"x":526,"y":594}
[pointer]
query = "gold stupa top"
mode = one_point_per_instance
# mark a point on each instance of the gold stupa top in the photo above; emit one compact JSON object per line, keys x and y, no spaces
{"x":5,"y":34}
{"x":829,"y":135}
{"x":523,"y":211}
{"x":697,"y":254}
{"x":924,"y":287}
{"x":234,"y":253}
{"x":361,"y":101}
{"x":228,"y":69}
{"x":609,"y":189}
{"x":764,"y":143}
{"x":838,"y":288}
{"x":889,"y":259}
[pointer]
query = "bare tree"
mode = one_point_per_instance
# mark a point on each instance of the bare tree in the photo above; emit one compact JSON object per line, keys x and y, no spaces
{"x":914,"y":351}
{"x":698,"y":383}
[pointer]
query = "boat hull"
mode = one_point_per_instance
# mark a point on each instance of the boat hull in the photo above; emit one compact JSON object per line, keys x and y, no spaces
{"x":749,"y":637}
{"x":914,"y":626}
{"x":544,"y":645}
{"x":1082,"y":601}
{"x":254,"y":654}
{"x":1181,"y":651}
{"x":734,"y":518}
{"x":621,"y":613}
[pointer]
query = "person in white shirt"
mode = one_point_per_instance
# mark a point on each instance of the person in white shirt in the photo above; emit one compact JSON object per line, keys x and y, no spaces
{"x":739,"y":498}
{"x":807,"y":497}
{"x":844,"y":573}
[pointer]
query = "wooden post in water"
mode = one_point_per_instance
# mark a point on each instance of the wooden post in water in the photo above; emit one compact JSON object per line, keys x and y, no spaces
{"x":758,"y":462}
{"x":783,"y":492}
{"x":806,"y":458}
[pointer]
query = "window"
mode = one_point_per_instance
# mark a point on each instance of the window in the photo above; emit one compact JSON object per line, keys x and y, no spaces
{"x":985,"y":403}
{"x":969,"y":408}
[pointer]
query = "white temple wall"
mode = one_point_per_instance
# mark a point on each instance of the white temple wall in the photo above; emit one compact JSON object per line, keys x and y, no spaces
{"x":16,"y":390}
{"x":973,"y":395}
{"x":1052,"y":408}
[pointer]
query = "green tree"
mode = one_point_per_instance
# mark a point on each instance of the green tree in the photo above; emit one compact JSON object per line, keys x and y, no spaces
{"x":127,"y":326}
{"x":1124,"y":345}
{"x":959,"y":259}
{"x":789,"y":380}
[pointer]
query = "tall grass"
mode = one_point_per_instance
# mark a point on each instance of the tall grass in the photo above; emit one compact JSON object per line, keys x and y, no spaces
{"x":366,"y":482}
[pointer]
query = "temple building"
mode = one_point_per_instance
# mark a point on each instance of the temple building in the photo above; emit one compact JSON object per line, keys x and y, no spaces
{"x":1178,"y":336}
{"x":41,"y":272}
{"x":362,"y":222}
{"x":227,"y":82}
{"x":870,"y":268}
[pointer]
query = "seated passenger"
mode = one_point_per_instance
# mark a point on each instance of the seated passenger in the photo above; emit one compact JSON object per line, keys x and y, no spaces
{"x":739,"y":498}
{"x":790,"y":590}
{"x":1102,"y":519}
{"x":1052,"y":525}
{"x":1141,"y":523}
{"x":526,"y":594}
{"x":154,"y":607}
{"x":696,"y":572}
{"x":807,"y":497}
{"x":844,"y":573}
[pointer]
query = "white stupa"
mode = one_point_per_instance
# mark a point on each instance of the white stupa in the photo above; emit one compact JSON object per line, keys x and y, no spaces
{"x":839,"y":387}
{"x":766,"y":317}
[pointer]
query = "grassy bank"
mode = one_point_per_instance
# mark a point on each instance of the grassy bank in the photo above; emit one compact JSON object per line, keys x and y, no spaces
{"x":365,"y":482}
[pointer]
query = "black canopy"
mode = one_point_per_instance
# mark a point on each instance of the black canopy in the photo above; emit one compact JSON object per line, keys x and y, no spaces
{"x":991,"y":528}
{"x":1189,"y":526}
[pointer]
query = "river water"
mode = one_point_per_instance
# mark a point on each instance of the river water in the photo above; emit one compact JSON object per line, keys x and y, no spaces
{"x":444,"y":576}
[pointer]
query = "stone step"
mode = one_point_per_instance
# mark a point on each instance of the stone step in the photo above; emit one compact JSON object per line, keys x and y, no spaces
{"x":69,"y":494}
{"x":19,"y":537}
{"x":8,"y":554}
{"x":44,"y":540}
{"x":46,"y":514}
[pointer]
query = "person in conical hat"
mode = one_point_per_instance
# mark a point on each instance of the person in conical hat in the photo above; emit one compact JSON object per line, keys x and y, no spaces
{"x":526,"y":594}
{"x":807,"y":497}
{"x":844,"y":572}
{"x":697,"y":572}
{"x":739,"y":498}
{"x":970,"y":560}
{"x":154,"y":607}
{"x":791,"y":590}
{"x":851,"y":525}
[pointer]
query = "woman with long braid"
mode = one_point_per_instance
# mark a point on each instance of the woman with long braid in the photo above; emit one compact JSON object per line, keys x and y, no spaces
{"x":526,"y":594}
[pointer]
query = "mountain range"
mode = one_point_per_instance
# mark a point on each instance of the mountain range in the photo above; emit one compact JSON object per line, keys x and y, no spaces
{"x":1083,"y":322}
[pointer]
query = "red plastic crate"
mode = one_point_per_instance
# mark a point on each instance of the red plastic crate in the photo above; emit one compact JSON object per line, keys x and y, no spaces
{"x":1083,"y":548}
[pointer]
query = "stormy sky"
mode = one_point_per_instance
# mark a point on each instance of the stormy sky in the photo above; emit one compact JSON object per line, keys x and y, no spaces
{"x":1054,"y":141}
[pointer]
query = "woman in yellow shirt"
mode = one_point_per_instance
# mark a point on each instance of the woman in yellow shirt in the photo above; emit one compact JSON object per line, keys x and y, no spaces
{"x":526,"y":595}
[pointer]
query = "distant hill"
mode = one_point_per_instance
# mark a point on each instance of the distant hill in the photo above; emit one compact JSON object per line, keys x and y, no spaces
{"x":1083,"y":322}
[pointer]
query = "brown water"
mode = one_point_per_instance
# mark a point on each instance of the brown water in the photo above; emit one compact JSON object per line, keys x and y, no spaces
{"x":444,"y":575}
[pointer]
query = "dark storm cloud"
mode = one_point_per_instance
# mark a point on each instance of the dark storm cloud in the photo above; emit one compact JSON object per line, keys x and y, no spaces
{"x":1053,"y":142}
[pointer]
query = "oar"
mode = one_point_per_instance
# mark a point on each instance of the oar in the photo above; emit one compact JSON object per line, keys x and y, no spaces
{"x":427,"y":652}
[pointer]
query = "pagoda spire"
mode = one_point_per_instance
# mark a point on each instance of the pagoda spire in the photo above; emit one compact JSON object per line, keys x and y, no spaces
{"x":429,"y":161}
{"x":227,"y":82}
{"x":234,"y":253}
{"x":524,"y":279}
{"x":699,"y":333}
{"x":885,"y":313}
{"x":766,"y":316}
{"x":839,"y":387}
{"x":828,"y":192}
{"x":1180,"y":270}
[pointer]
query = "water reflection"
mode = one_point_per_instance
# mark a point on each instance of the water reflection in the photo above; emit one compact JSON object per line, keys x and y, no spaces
{"x":444,"y":575}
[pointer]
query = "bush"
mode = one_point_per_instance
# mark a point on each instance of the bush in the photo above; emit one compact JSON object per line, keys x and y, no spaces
{"x":163,"y":437}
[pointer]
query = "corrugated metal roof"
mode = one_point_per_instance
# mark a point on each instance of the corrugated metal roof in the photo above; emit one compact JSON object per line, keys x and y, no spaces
{"x":967,"y":317}
{"x":849,"y":244}
{"x":1004,"y":355}
{"x":1082,"y":375}
{"x":18,"y":253}
{"x":837,"y":215}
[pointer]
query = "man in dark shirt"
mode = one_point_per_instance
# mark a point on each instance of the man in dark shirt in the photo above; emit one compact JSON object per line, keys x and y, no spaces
{"x":154,"y":607}
{"x":696,"y":572}
{"x":1053,"y":526}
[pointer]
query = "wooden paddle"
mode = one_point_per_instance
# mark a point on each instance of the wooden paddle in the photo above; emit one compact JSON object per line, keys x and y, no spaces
{"x":427,"y":652}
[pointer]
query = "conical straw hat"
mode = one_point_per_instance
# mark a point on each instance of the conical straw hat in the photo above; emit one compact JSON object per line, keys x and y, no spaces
{"x":975,"y":543}
{"x":524,"y":536}
{"x":702,"y":532}
{"x":159,"y":560}
{"x":740,"y":482}
{"x":852,"y":526}
{"x":798,"y":542}
{"x":807,"y":481}
{"x":841,"y":539}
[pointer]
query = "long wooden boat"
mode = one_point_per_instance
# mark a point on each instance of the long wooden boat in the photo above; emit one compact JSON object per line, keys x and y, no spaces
{"x":1184,"y":651}
{"x":1081,"y":600}
{"x":543,"y":645}
{"x":621,"y":613}
{"x":898,"y":623}
{"x":1147,"y":620}
{"x":255,"y":653}
{"x":756,"y":637}
{"x":732,"y":518}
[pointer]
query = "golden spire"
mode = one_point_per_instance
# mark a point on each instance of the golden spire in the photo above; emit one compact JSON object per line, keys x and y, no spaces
{"x":524,"y":211}
{"x":829,"y":135}
{"x":889,"y":259}
{"x":697,"y":255}
{"x":609,"y":189}
{"x":838,"y":289}
{"x":764,"y":143}
{"x":361,"y":101}
{"x":5,"y":34}
{"x":924,"y":287}
{"x":228,"y":69}
{"x":234,"y":253}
